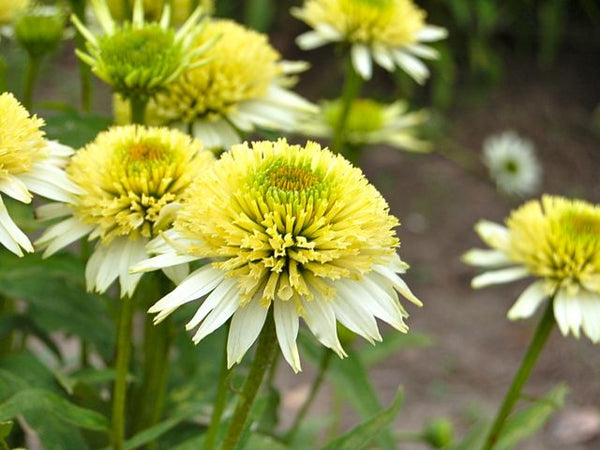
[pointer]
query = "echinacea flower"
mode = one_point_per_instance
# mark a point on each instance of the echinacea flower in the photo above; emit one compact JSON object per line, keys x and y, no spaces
{"x":132,"y":179}
{"x":241,"y":87}
{"x":138,"y":59}
{"x":370,"y":122}
{"x":556,"y":240}
{"x":40,"y":29}
{"x":512,"y":163}
{"x":389,"y":32}
{"x":153,"y":9}
{"x":28,"y":163}
{"x":294,"y":228}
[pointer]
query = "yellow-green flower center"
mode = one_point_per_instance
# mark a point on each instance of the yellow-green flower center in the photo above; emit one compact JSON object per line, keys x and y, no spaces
{"x":365,"y":115}
{"x":558,"y":239}
{"x":130,"y":174}
{"x":283,"y":219}
{"x":21,"y":140}
{"x":241,"y":65}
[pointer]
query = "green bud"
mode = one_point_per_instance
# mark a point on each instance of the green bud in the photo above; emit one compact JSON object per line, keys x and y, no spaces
{"x":439,"y":433}
{"x":364,"y":116}
{"x":40,"y":29}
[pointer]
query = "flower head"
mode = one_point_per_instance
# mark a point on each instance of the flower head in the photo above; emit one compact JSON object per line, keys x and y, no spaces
{"x":235,"y":89}
{"x":153,"y":9}
{"x":558,"y":241}
{"x":370,"y":122}
{"x":28,"y":162}
{"x":40,"y":29}
{"x":512,"y":163}
{"x":390,"y":32}
{"x":139,"y":58}
{"x":132,"y":179}
{"x":9,"y":9}
{"x":294,"y":227}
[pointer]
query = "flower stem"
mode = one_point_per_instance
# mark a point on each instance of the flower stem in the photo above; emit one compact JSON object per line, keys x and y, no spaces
{"x":33,"y":69}
{"x":138,"y":110}
{"x":536,"y":345}
{"x":314,"y":389}
{"x":85,"y":73}
{"x":265,"y":352}
{"x":122,"y":365}
{"x":219,"y":404}
{"x":352,"y":82}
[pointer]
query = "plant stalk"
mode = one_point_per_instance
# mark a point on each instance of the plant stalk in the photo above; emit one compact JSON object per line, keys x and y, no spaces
{"x":85,"y":72}
{"x":31,"y":75}
{"x":138,"y":110}
{"x":265,"y":353}
{"x":219,"y":404}
{"x":542,"y":332}
{"x":122,"y":366}
{"x":352,"y":83}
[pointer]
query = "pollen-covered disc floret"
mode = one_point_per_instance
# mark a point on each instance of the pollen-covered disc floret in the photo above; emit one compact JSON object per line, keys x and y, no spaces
{"x":239,"y":88}
{"x":370,"y":122}
{"x":28,"y":163}
{"x":294,"y":228}
{"x":558,"y":241}
{"x":133,"y":179}
{"x":138,"y":59}
{"x":388,"y":31}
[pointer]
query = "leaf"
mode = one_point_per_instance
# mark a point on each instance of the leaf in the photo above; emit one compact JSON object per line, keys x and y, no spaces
{"x":41,"y":400}
{"x":362,"y":434}
{"x":528,"y":421}
{"x":21,"y":322}
{"x":5,"y":428}
{"x":350,"y":377}
{"x":74,"y":129}
{"x":474,"y":438}
{"x":392,"y":343}
{"x":153,"y":433}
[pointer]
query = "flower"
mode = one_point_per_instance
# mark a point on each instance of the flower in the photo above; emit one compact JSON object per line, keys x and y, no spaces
{"x":153,"y":9}
{"x":390,"y":32}
{"x":370,"y":122}
{"x":138,"y":59}
{"x":40,"y":29}
{"x":295,"y":227}
{"x":512,"y":163}
{"x":28,"y":163}
{"x":132,"y":179}
{"x":235,"y":90}
{"x":558,"y":241}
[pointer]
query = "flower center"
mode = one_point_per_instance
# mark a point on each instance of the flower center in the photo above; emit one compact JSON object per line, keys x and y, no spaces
{"x":511,"y":166}
{"x":581,"y":226}
{"x":292,"y":178}
{"x":379,"y":4}
{"x":145,"y":152}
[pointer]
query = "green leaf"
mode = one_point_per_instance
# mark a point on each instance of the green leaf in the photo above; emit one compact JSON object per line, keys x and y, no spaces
{"x":259,"y":14}
{"x":528,"y":421}
{"x":392,"y":343}
{"x":21,"y":322}
{"x":75,"y":129}
{"x":362,"y":434}
{"x":153,"y":433}
{"x":5,"y":428}
{"x":36,"y":400}
{"x":350,"y":377}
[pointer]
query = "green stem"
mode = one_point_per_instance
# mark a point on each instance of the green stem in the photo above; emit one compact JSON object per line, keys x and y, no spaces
{"x":265,"y":352}
{"x":31,"y":75}
{"x":3,"y":70}
{"x":122,"y":365}
{"x":85,"y":73}
{"x":314,"y":389}
{"x":536,"y":345}
{"x":352,"y":83}
{"x":138,"y":110}
{"x":220,"y":402}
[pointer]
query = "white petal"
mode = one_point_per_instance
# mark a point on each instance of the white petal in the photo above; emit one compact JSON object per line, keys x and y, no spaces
{"x":15,"y":188}
{"x":567,"y":313}
{"x":499,"y":276}
{"x":528,"y":301}
{"x":382,"y":56}
{"x":219,"y":315}
{"x":286,"y":326}
{"x":53,"y":211}
{"x":361,"y":60}
{"x":430,"y":33}
{"x":412,"y":66}
{"x":351,"y":312}
{"x":493,"y":234}
{"x":225,"y":288}
{"x":311,"y":40}
{"x":382,"y":305}
{"x":51,"y":182}
{"x":398,"y":283}
{"x":177,"y":273}
{"x":197,"y":284}
{"x":246,"y":323}
{"x":62,"y":234}
{"x":102,"y":268}
{"x":320,"y":318}
{"x":289,"y":99}
{"x":162,"y":262}
{"x":423,"y":51}
{"x":10,"y":235}
{"x":133,"y":252}
{"x":486,"y":258}
{"x":293,"y":67}
{"x":206,"y":132}
{"x":590,"y":307}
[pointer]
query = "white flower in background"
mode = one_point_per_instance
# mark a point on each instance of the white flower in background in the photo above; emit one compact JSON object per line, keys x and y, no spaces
{"x":390,"y":32}
{"x":28,"y":163}
{"x":371,"y":122}
{"x":512,"y":163}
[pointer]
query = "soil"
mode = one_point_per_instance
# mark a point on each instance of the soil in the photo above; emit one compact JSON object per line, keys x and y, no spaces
{"x":464,"y":375}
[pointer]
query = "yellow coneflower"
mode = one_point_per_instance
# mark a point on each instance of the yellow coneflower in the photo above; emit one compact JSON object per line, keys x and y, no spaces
{"x":294,"y":228}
